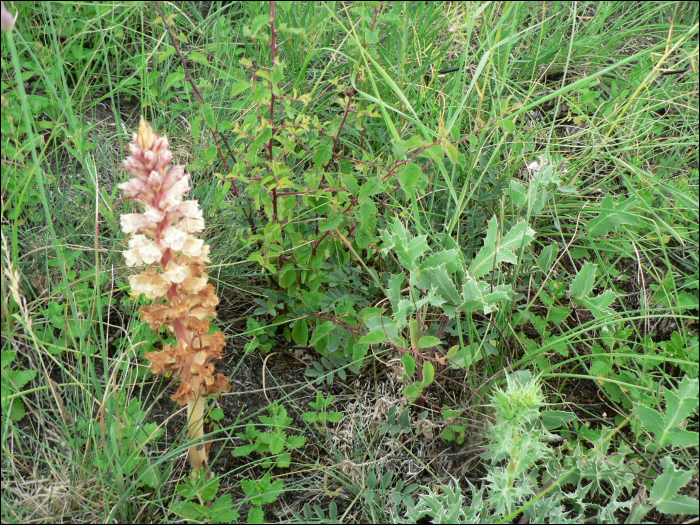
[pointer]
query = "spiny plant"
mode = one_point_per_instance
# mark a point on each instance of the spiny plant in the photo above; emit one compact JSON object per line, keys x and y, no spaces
{"x":526,"y":474}
{"x":185,"y":302}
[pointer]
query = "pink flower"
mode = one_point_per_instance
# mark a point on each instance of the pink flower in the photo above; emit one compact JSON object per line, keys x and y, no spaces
{"x":7,"y":21}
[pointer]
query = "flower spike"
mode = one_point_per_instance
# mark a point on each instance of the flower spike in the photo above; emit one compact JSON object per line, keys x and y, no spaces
{"x":184,"y":301}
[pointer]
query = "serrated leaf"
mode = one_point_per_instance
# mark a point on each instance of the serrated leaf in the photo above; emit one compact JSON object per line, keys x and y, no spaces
{"x":222,"y":510}
{"x":244,"y":450}
{"x":558,"y":314}
{"x":496,"y":251}
{"x":599,"y":305}
{"x":209,"y":490}
{"x":294,"y":442}
{"x":256,"y":515}
{"x":369,"y":188}
{"x":582,"y":285}
{"x":395,"y":284}
{"x":441,"y":280}
{"x":409,"y":176}
{"x":547,"y":257}
{"x":611,"y":217}
{"x":217,"y":414}
{"x":472,"y":298}
{"x":452,"y":259}
{"x":664,"y":493}
{"x":17,"y":411}
{"x":373,"y":338}
{"x":322,"y":331}
{"x":324,"y":152}
{"x":669,"y":429}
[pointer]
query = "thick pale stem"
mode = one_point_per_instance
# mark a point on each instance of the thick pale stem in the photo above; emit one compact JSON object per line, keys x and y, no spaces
{"x":195,"y":431}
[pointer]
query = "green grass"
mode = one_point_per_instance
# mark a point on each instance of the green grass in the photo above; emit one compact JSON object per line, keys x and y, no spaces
{"x":606,"y":91}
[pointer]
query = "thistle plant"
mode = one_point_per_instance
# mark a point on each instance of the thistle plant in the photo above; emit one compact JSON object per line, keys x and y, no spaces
{"x":163,"y":236}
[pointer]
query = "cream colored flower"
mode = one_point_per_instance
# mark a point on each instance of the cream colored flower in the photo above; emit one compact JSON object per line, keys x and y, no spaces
{"x":192,"y":247}
{"x":150,"y":283}
{"x":174,"y":238}
{"x":175,"y":273}
{"x":143,"y":250}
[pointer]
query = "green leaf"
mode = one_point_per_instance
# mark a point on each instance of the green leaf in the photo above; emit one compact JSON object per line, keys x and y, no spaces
{"x":244,"y":450}
{"x":599,"y":305}
{"x":497,"y":250}
{"x":286,"y":6}
{"x":386,"y":324}
{"x":173,"y":78}
{"x":239,"y":88}
{"x":669,"y":429}
{"x":547,"y":257}
{"x":198,"y":57}
{"x":450,"y":150}
{"x":258,"y":23}
{"x":553,"y":419}
{"x":517,"y":193}
{"x":208,"y":114}
{"x":294,"y":442}
{"x":209,"y":490}
{"x":322,"y":331}
{"x":508,"y":125}
{"x":433,"y":153}
{"x":411,"y":391}
{"x":440,"y":279}
{"x":582,"y":285}
{"x":373,"y":338}
{"x":395,"y":283}
{"x":664,"y":493}
{"x":429,"y":341}
{"x":262,"y":139}
{"x":300,"y":332}
{"x":369,"y":188}
{"x":409,"y":364}
{"x":558,"y":314}
{"x":428,"y":373}
{"x":332,"y":224}
{"x":452,"y":259}
{"x":256,"y":515}
{"x":409,"y":176}
{"x":222,"y":510}
{"x":611,"y":217}
{"x":324,"y":152}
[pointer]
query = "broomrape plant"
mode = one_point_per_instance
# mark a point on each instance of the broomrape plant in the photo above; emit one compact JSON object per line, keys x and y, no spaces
{"x":184,"y":302}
